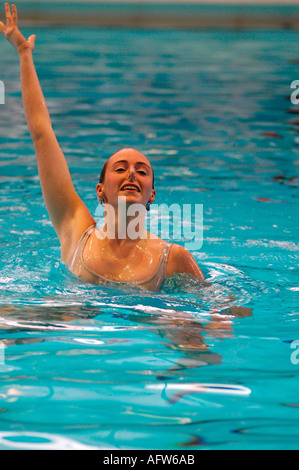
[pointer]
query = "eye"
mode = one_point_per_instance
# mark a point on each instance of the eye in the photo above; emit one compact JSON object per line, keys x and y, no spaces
{"x":142,"y":172}
{"x":120,"y":169}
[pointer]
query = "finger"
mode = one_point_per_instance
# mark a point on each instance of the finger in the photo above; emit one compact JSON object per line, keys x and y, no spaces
{"x":2,"y":28}
{"x":8,"y":15}
{"x":14,"y":15}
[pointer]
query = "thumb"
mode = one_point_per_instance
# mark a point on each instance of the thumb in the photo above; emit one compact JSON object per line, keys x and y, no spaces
{"x":2,"y":27}
{"x":31,"y":40}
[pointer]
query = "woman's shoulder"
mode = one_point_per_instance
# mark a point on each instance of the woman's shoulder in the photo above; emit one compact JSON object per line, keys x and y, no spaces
{"x":177,"y":251}
{"x":181,"y":261}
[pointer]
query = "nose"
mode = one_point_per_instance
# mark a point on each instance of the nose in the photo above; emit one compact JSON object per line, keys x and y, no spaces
{"x":131,"y":174}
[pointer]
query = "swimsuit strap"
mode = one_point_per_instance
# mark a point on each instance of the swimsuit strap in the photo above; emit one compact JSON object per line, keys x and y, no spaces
{"x":80,"y":245}
{"x":160,"y":272}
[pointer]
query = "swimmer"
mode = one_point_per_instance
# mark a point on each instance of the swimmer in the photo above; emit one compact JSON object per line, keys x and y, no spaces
{"x":91,"y":254}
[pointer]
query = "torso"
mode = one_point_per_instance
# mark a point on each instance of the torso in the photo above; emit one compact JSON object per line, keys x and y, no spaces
{"x":98,"y":260}
{"x":132,"y":266}
{"x":133,"y":263}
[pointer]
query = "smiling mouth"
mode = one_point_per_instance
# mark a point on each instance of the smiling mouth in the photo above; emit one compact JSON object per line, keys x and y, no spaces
{"x":130,"y":187}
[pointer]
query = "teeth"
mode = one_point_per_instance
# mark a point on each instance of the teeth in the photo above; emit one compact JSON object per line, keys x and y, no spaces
{"x":129,"y":187}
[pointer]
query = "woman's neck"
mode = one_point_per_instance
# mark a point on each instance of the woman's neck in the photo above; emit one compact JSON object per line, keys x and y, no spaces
{"x":122,"y":229}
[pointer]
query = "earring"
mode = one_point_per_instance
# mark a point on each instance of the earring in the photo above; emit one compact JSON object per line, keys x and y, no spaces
{"x":148,"y":204}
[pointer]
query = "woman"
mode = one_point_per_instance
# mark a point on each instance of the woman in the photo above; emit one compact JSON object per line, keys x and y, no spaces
{"x":95,"y":256}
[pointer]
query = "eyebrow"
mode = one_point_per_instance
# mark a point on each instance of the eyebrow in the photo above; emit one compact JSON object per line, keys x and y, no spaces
{"x":126,"y":161}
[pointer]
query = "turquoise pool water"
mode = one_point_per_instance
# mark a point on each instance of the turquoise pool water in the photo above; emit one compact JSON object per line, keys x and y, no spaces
{"x":103,"y":368}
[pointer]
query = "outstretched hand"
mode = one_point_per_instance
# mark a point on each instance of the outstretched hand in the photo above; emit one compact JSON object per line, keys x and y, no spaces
{"x":12,"y":32}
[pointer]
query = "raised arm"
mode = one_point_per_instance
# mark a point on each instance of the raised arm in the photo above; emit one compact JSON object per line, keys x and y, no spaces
{"x":67,"y":212}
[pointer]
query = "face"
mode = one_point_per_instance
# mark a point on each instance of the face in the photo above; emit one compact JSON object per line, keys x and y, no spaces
{"x":128,"y":174}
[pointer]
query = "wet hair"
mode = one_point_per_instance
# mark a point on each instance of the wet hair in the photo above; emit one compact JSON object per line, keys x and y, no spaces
{"x":102,"y":175}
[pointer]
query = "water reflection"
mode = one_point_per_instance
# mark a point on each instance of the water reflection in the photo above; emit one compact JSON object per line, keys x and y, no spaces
{"x":176,"y":324}
{"x":189,"y":336}
{"x":41,"y":441}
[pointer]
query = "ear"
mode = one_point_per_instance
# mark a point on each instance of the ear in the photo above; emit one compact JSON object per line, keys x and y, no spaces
{"x":100,"y":193}
{"x":152,"y":196}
